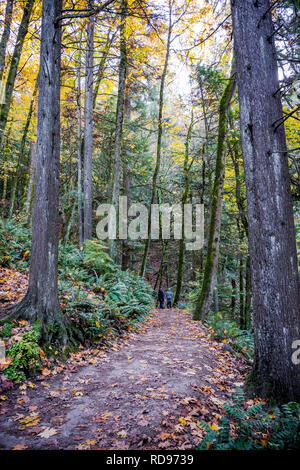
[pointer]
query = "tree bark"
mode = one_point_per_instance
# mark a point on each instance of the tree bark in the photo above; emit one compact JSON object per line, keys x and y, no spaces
{"x":41,"y":300}
{"x":272,"y":245}
{"x":88,"y":129}
{"x":12,"y":73}
{"x":211,"y":264}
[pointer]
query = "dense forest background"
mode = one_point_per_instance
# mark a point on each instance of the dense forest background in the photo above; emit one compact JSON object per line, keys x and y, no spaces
{"x":169,"y":101}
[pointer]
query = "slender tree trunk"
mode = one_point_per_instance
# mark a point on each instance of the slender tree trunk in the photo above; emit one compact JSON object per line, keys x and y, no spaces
{"x":248,"y":294}
{"x":238,"y":190}
{"x":101,"y":66}
{"x":12,"y":73}
{"x":242,"y":299}
{"x":186,"y":170}
{"x":119,"y":116}
{"x":126,"y":183}
{"x":216,"y":295}
{"x":5,"y":35}
{"x":22,"y":148}
{"x":163,"y":247}
{"x":41,"y":301}
{"x":210,"y":271}
{"x":159,"y":141}
{"x":233,"y":297}
{"x":88,"y":129}
{"x":272,"y":244}
{"x":79,"y":148}
{"x":70,"y":220}
{"x":30,"y":185}
{"x":5,"y":176}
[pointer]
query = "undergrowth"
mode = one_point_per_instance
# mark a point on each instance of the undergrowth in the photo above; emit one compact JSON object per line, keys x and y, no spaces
{"x":254,"y":427}
{"x":98,"y":297}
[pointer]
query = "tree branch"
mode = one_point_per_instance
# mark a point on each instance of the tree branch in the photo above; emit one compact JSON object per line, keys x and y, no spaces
{"x":84,"y":13}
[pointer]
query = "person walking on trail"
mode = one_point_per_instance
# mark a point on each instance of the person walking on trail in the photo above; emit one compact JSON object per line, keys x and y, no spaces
{"x":161,"y":298}
{"x":169,"y":296}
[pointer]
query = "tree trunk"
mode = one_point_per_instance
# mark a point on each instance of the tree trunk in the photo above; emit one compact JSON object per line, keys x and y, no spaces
{"x":79,"y":149}
{"x":211,"y":265}
{"x":248,"y":294}
{"x":233,"y":297}
{"x":125,"y":254}
{"x":243,"y":323}
{"x":12,"y":73}
{"x":5,"y":166}
{"x":5,"y":35}
{"x":272,"y":245}
{"x":88,"y":129}
{"x":22,"y":148}
{"x":101,"y":66}
{"x":119,"y":117}
{"x":30,"y":185}
{"x":159,"y":140}
{"x":186,"y":170}
{"x":41,"y":301}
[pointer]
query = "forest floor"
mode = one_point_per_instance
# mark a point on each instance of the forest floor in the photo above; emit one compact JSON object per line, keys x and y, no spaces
{"x":150,"y":389}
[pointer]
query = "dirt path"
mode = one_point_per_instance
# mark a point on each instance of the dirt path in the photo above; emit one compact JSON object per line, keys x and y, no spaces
{"x":148,"y":391}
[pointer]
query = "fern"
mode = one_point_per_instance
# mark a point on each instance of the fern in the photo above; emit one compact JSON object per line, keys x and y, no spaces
{"x":254,"y":428}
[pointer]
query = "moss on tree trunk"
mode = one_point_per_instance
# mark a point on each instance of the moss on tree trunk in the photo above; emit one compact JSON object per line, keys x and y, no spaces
{"x":204,"y":300}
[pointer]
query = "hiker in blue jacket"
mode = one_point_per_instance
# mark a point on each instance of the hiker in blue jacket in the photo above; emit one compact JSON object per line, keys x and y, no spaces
{"x":161,"y":298}
{"x":169,"y":296}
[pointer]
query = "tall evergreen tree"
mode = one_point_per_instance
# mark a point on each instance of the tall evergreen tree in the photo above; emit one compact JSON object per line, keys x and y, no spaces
{"x":272,"y":245}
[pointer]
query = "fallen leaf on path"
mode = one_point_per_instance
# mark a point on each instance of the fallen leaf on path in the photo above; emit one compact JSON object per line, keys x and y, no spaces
{"x":182,"y":421}
{"x":91,"y":442}
{"x":48,"y":432}
{"x":32,"y":420}
{"x":19,"y":447}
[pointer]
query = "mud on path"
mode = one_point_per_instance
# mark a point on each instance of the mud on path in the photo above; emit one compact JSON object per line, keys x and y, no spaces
{"x":149,"y":390}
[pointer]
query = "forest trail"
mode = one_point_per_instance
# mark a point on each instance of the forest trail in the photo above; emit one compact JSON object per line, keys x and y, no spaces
{"x":149,"y":390}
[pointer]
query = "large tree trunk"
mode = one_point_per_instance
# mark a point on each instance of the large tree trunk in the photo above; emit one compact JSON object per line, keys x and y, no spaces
{"x":5,"y":35}
{"x":41,"y":301}
{"x":88,"y":129}
{"x":12,"y":73}
{"x":272,"y":245}
{"x":211,"y":264}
